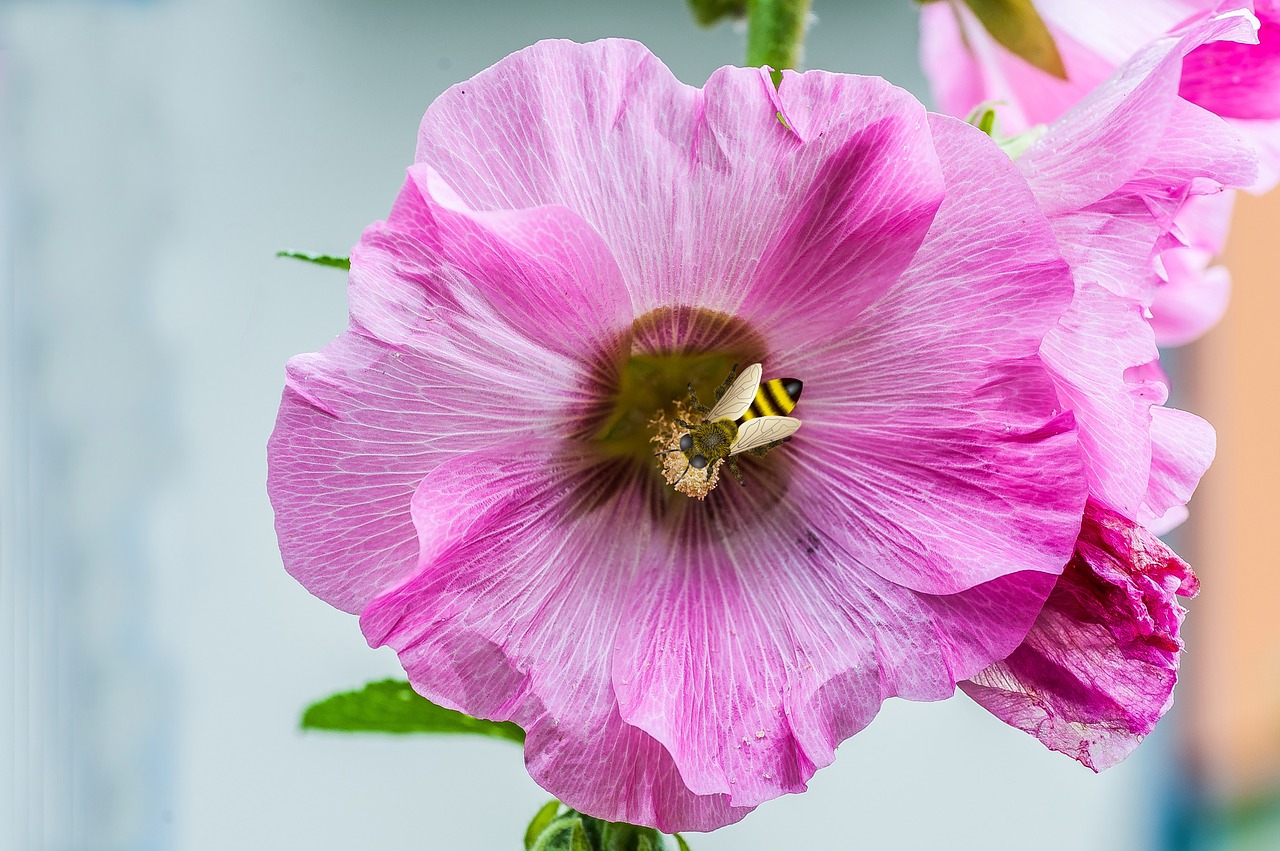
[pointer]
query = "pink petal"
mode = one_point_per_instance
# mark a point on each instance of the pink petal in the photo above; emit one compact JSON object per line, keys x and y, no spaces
{"x":542,"y":271}
{"x":1097,"y":670}
{"x":1093,"y":353}
{"x":1025,"y":95}
{"x":1124,"y":131}
{"x":1182,"y":448}
{"x":965,"y":66}
{"x":362,"y":421}
{"x":359,"y":424}
{"x":948,"y":60}
{"x":703,"y":196}
{"x":521,"y":589}
{"x":1193,"y":298}
{"x":1265,"y":138}
{"x":1193,"y":293}
{"x":866,"y":185}
{"x":1237,"y":80}
{"x":751,"y":655}
{"x":1118,"y":30}
{"x":1205,"y":220}
{"x":947,"y":459}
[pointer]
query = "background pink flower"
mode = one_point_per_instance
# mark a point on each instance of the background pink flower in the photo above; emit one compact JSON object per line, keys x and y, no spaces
{"x":1111,"y":173}
{"x":1235,"y":78}
{"x":458,"y":466}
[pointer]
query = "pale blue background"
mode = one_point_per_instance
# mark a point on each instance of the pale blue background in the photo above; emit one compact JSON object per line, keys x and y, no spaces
{"x":155,"y":155}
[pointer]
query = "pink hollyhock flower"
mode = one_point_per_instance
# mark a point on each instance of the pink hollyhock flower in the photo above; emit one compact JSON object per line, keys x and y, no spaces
{"x":469,"y":466}
{"x":1110,"y":174}
{"x":1237,"y":80}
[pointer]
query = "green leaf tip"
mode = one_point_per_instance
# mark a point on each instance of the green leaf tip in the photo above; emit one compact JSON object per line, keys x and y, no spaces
{"x":318,"y":259}
{"x":1017,"y":26}
{"x":986,"y":122}
{"x":710,"y":12}
{"x":392,"y":706}
{"x":578,"y":839}
{"x":541,"y":821}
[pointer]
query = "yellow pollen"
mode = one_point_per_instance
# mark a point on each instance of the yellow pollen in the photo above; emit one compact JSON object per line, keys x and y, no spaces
{"x":675,"y":467}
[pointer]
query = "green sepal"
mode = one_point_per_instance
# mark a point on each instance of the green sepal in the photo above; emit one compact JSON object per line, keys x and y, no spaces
{"x":1016,"y":146}
{"x":565,"y":833}
{"x":541,"y":820}
{"x":984,"y":118}
{"x":620,"y":836}
{"x":551,"y":830}
{"x":318,"y":259}
{"x":710,"y":12}
{"x":392,"y":706}
{"x":681,"y":845}
{"x":984,"y":115}
{"x":1017,"y":26}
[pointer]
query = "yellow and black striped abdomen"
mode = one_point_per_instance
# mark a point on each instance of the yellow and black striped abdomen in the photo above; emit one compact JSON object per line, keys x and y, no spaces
{"x":776,"y":397}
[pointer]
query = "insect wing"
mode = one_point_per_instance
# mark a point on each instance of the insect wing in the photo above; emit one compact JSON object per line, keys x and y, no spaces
{"x":737,"y":399}
{"x":763,"y":430}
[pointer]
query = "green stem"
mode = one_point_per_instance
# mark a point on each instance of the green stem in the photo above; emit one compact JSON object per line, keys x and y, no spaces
{"x":775,"y":32}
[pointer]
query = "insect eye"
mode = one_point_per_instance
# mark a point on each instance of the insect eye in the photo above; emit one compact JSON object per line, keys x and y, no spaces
{"x":697,"y":462}
{"x":686,"y":443}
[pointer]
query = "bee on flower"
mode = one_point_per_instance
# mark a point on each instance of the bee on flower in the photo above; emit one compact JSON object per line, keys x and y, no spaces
{"x":748,"y":417}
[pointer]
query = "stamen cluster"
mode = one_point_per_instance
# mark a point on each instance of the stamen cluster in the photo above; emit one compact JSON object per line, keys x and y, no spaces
{"x":676,"y":469}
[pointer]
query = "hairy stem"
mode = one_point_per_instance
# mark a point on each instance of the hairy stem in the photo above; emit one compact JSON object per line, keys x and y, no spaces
{"x":775,"y":33}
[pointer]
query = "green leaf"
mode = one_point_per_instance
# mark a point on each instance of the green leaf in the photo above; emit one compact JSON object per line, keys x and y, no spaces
{"x":1018,"y":26}
{"x":540,"y":822}
{"x":680,"y":843}
{"x":709,"y":12}
{"x":318,"y":259}
{"x":392,"y":706}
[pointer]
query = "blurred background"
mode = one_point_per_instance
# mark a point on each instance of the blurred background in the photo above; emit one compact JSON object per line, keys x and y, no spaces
{"x":155,"y":656}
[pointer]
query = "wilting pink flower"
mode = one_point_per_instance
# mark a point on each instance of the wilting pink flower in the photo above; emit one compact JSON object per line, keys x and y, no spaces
{"x":1231,"y":77}
{"x":1097,"y":670}
{"x":1111,"y":173}
{"x":468,"y":467}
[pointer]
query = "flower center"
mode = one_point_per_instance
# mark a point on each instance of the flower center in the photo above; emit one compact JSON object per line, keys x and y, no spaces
{"x":645,"y":385}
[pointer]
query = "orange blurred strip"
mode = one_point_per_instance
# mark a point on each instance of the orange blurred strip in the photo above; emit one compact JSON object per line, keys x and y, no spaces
{"x":1233,"y":667}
